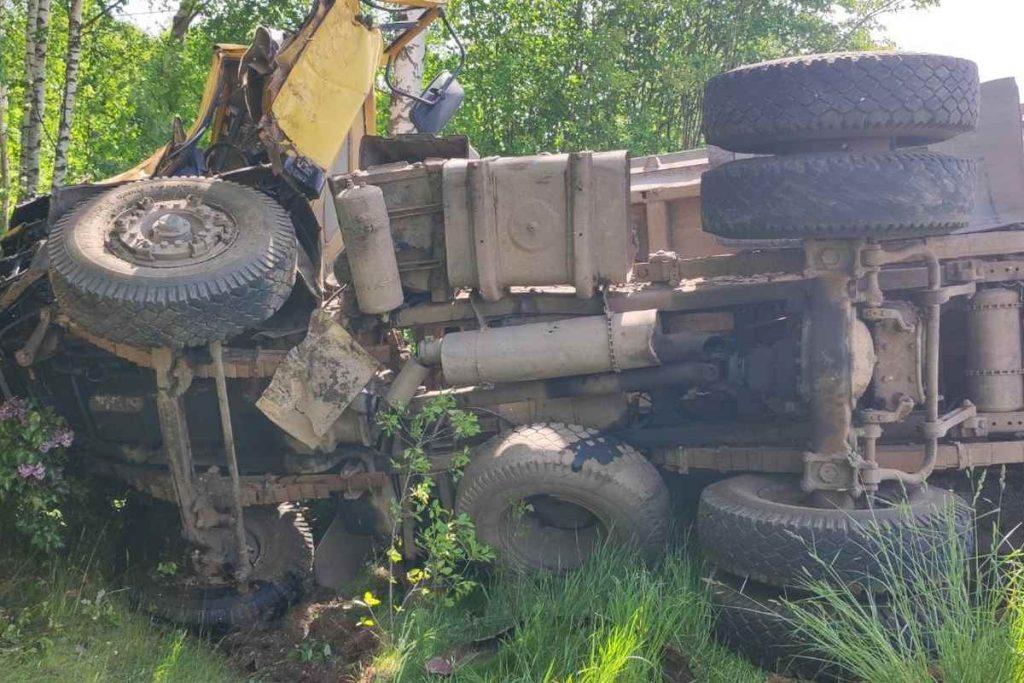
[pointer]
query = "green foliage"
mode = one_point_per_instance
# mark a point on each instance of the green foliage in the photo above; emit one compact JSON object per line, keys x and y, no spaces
{"x":614,"y":619}
{"x":59,"y":623}
{"x":561,"y":75}
{"x":542,"y":75}
{"x":33,"y":487}
{"x":965,"y":625}
{"x":445,"y":542}
{"x":132,"y":84}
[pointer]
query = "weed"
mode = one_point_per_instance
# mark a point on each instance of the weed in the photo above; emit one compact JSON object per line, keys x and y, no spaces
{"x":614,"y":619}
{"x":958,"y":622}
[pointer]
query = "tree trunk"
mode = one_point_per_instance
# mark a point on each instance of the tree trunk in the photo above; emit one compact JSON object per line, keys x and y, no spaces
{"x":31,"y":12}
{"x":187,"y":12}
{"x":407,"y":75}
{"x":67,"y":107}
{"x":35,"y":95}
{"x":5,"y":171}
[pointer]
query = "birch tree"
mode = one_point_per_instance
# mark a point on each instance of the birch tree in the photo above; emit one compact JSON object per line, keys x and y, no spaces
{"x":37,"y":25}
{"x":407,"y":75}
{"x":67,"y":107}
{"x":5,"y":171}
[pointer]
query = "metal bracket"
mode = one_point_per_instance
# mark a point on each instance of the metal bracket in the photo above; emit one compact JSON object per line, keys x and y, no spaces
{"x":873,"y":416}
{"x":880,"y":313}
{"x":941,"y":295}
{"x":837,"y":472}
{"x":939,"y":429}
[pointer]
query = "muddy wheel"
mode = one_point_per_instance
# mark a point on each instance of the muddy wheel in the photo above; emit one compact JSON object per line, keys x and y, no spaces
{"x":790,"y":104}
{"x":761,"y":527}
{"x":755,"y":621}
{"x":838,"y":195}
{"x":545,"y":496}
{"x":173,"y":261}
{"x":281,"y":557}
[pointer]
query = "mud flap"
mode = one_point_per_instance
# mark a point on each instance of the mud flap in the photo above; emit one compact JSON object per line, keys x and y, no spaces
{"x":318,"y":379}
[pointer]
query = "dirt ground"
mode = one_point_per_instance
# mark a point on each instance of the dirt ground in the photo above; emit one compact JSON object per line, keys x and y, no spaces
{"x":318,"y":641}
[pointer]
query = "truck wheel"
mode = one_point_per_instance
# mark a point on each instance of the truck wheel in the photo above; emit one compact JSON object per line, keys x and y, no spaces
{"x":281,"y":556}
{"x":838,"y":195}
{"x":758,"y":622}
{"x":758,"y":526}
{"x":545,"y":496}
{"x":788,"y":104}
{"x":755,"y":621}
{"x":173,"y":261}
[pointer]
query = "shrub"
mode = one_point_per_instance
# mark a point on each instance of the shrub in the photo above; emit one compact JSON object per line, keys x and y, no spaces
{"x":33,"y":488}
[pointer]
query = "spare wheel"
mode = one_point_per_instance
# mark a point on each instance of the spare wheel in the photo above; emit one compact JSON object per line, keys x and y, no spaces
{"x":173,"y":261}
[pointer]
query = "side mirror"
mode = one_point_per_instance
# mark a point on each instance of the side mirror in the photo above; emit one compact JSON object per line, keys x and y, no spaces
{"x":437,"y":105}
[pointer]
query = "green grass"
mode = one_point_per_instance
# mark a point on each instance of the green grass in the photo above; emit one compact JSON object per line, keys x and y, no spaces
{"x":963,"y":623}
{"x":613,"y":620}
{"x":59,"y":623}
{"x":616,"y":619}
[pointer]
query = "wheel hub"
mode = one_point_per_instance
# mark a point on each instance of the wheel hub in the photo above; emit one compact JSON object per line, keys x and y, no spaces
{"x":171,"y":232}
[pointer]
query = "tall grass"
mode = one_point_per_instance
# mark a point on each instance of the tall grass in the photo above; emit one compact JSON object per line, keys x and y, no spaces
{"x":959,"y":622}
{"x":59,"y":623}
{"x":615,"y":619}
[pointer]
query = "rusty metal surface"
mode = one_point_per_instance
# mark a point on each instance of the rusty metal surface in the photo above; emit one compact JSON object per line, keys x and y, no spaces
{"x":318,"y":379}
{"x":255,"y":489}
{"x":906,"y":458}
{"x":898,"y":345}
{"x":238,"y":363}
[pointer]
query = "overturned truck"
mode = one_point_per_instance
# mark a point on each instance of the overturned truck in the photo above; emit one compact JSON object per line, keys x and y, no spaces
{"x":853,"y":327}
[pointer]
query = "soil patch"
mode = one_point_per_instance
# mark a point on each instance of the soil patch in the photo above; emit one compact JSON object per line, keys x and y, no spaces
{"x":317,"y":642}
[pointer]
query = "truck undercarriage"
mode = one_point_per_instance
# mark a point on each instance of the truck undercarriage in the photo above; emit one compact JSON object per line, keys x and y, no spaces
{"x":871,"y":336}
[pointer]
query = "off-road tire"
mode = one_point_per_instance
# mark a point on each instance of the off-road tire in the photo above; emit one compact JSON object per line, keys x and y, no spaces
{"x":279,"y":576}
{"x":201,"y":300}
{"x":758,"y":622}
{"x":839,"y":195}
{"x":783,"y":105}
{"x":609,"y":479}
{"x":746,"y":531}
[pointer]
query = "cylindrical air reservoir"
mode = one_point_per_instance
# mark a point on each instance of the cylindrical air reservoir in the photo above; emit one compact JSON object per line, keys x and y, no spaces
{"x":994,"y":380}
{"x":406,"y":383}
{"x":576,"y":346}
{"x":366,"y":230}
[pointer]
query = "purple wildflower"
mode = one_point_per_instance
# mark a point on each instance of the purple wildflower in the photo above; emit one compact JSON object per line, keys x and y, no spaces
{"x":61,"y":438}
{"x":37,"y":471}
{"x":16,"y":408}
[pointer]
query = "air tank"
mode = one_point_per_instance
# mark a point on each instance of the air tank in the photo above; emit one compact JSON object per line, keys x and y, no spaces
{"x":994,"y":380}
{"x":369,"y":248}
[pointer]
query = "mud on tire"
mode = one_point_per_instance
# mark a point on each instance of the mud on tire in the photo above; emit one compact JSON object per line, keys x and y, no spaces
{"x":891,"y":195}
{"x":282,"y":560}
{"x":185,"y":301}
{"x":756,"y":526}
{"x":782,"y":105}
{"x":546,"y":495}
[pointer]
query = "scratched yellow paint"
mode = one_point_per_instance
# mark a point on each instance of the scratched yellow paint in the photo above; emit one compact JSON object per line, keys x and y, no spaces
{"x":325,"y":90}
